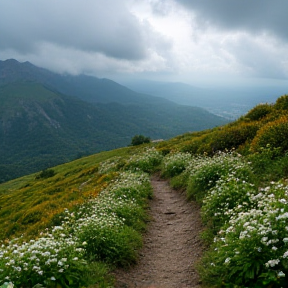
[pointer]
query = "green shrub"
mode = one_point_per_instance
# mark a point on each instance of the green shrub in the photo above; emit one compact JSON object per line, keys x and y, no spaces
{"x":273,"y":134}
{"x":222,"y":139}
{"x":251,"y":249}
{"x":228,"y":194}
{"x":110,"y":224}
{"x":98,"y":273}
{"x":7,"y":285}
{"x":52,"y":259}
{"x":194,"y":146}
{"x":205,"y":175}
{"x":268,"y":164}
{"x":131,"y":186}
{"x":281,"y":103}
{"x":180,"y":181}
{"x":174,"y":164}
{"x":46,"y":173}
{"x":146,"y":161}
{"x":259,"y":112}
{"x":203,"y":180}
{"x":140,"y":139}
{"x":112,"y":243}
{"x":232,"y":137}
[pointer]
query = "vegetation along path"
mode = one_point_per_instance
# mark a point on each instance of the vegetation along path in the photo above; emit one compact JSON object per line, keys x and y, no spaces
{"x":172,"y":244}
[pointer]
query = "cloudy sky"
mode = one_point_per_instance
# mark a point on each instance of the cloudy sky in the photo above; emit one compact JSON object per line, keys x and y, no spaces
{"x":193,"y":41}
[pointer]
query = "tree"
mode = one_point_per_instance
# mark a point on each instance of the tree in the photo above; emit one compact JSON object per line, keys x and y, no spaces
{"x":139,"y":139}
{"x":46,"y":173}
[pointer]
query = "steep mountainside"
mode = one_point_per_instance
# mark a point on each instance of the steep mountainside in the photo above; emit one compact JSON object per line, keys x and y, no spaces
{"x":41,"y":127}
{"x":87,"y":88}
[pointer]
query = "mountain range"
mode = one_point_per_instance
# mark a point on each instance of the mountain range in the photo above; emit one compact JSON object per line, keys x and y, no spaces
{"x":48,"y":118}
{"x":231,"y":101}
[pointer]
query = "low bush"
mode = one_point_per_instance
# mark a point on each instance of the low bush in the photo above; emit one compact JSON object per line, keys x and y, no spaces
{"x":230,"y":192}
{"x":225,"y":138}
{"x":269,"y":164}
{"x":111,"y":242}
{"x":140,"y":139}
{"x":195,"y":145}
{"x":207,"y":171}
{"x":146,"y":161}
{"x":175,"y":163}
{"x":281,"y":103}
{"x":54,"y":258}
{"x":46,"y":173}
{"x":259,"y":112}
{"x":232,"y":137}
{"x":273,"y":134}
{"x":251,"y":249}
{"x":180,"y":181}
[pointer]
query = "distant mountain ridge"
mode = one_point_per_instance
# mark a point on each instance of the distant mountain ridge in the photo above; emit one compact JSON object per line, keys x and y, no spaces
{"x":87,"y":88}
{"x":41,"y":126}
{"x":230,"y":102}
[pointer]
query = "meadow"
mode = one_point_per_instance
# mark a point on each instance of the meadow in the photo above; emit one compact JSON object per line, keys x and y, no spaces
{"x":72,"y":225}
{"x":98,"y":230}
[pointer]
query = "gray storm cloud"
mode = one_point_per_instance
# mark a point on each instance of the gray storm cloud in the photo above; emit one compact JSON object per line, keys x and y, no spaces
{"x":253,"y":16}
{"x":175,"y":37}
{"x":103,"y":26}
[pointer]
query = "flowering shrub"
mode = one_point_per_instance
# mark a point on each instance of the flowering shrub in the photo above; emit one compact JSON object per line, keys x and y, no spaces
{"x":56,"y":256}
{"x":109,"y":223}
{"x":174,"y":164}
{"x":252,"y":248}
{"x":229,"y":194}
{"x":207,"y":171}
{"x":102,"y":229}
{"x":146,"y":161}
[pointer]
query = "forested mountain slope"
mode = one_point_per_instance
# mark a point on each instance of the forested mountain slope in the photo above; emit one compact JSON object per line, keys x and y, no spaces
{"x":41,"y":127}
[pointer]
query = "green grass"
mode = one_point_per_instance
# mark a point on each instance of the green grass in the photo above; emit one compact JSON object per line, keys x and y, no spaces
{"x":70,"y":225}
{"x":28,"y":204}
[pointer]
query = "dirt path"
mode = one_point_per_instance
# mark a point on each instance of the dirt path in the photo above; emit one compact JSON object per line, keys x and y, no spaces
{"x":171,"y":244}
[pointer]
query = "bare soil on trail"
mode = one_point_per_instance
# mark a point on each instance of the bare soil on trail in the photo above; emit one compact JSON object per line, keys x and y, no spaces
{"x":172,"y":244}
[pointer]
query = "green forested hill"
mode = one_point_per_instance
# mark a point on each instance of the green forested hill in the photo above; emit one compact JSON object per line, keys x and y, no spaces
{"x":87,"y":88}
{"x":40,"y":127}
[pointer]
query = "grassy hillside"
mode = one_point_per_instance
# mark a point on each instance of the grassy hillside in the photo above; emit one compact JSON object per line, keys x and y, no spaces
{"x":34,"y":200}
{"x":237,"y":172}
{"x":91,"y":213}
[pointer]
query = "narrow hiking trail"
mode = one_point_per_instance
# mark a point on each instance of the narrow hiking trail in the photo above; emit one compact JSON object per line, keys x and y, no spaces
{"x":172,"y":243}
